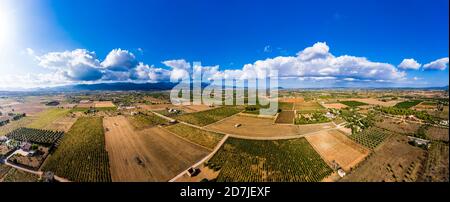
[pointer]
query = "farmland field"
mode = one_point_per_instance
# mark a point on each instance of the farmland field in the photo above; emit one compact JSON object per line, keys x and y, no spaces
{"x":263,"y":127}
{"x":81,"y":155}
{"x":393,"y":161}
{"x":15,"y":125}
{"x":308,"y":106}
{"x":437,"y":133}
{"x":373,"y":101}
{"x":334,"y":146}
{"x":47,"y":117}
{"x":285,"y":117}
{"x":142,"y":121}
{"x":436,"y":165}
{"x":352,"y":103}
{"x":334,"y":105}
{"x":397,"y":126}
{"x":209,"y":116}
{"x":36,"y":135}
{"x":260,"y":161}
{"x":103,"y":104}
{"x":201,"y":137}
{"x":408,"y":104}
{"x":148,"y":155}
{"x":15,"y":175}
{"x":285,"y":106}
{"x":370,"y":138}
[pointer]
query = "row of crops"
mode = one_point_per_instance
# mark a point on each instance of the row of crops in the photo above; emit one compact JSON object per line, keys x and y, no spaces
{"x":292,"y":160}
{"x":36,"y":135}
{"x":407,"y":104}
{"x":204,"y":118}
{"x":81,"y":155}
{"x":352,"y":103}
{"x":371,"y":137}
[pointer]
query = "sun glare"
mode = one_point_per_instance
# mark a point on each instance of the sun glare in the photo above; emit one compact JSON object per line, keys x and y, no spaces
{"x":6,"y":25}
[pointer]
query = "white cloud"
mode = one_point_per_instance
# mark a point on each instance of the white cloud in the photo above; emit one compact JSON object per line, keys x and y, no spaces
{"x":409,"y":64}
{"x":317,"y":61}
{"x":439,"y":64}
{"x":267,"y":49}
{"x":120,"y":60}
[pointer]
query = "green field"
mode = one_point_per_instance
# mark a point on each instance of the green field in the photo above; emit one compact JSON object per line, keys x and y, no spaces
{"x":352,"y":103}
{"x":407,"y":104}
{"x":47,"y":117}
{"x":201,"y":137}
{"x":204,"y":118}
{"x":81,"y":155}
{"x":141,"y":121}
{"x":263,"y":161}
{"x":15,"y":175}
{"x":370,"y":138}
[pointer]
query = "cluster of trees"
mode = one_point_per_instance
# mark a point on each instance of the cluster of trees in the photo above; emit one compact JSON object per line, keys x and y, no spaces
{"x":406,"y":112}
{"x":315,"y":117}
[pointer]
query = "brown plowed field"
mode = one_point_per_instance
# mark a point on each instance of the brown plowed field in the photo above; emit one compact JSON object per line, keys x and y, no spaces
{"x":148,"y":155}
{"x":285,"y":117}
{"x":334,"y":146}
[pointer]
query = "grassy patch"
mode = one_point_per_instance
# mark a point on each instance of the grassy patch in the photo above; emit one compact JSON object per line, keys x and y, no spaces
{"x":47,"y":117}
{"x":201,"y":137}
{"x":407,"y":104}
{"x":141,"y":121}
{"x":352,"y":103}
{"x":204,"y":118}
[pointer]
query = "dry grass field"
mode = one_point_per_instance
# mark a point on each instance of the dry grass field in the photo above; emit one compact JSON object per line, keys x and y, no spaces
{"x":263,"y":127}
{"x":437,"y":133}
{"x":307,"y":106}
{"x":197,"y":108}
{"x":373,"y":101}
{"x":291,"y":99}
{"x":155,"y":106}
{"x":393,"y":161}
{"x":334,"y":105}
{"x":397,"y":126}
{"x":286,"y":117}
{"x":334,"y":146}
{"x":148,"y":155}
{"x":102,"y":104}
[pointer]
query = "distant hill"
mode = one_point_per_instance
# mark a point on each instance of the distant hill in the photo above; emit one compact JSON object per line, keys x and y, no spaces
{"x":114,"y":87}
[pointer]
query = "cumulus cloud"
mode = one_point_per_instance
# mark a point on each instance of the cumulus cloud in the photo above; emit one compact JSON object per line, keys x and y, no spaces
{"x":409,"y":64}
{"x":120,"y":60}
{"x":316,"y":62}
{"x":439,"y":64}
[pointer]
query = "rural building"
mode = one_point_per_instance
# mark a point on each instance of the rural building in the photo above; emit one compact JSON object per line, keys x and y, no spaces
{"x":419,"y":141}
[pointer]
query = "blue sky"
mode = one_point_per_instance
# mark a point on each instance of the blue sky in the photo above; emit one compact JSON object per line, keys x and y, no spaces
{"x":46,"y":40}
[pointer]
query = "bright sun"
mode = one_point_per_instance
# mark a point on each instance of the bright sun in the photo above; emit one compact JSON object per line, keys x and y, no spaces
{"x":6,"y":26}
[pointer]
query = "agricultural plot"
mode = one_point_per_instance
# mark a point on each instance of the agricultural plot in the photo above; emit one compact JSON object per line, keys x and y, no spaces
{"x":407,"y":104}
{"x":352,"y":103}
{"x":204,"y":118}
{"x":437,"y":133}
{"x":38,"y":136}
{"x":285,"y":117}
{"x":15,"y":125}
{"x":104,"y":104}
{"x":47,"y":117}
{"x":151,"y":155}
{"x":334,"y":146}
{"x":81,"y":156}
{"x":373,"y":101}
{"x":307,"y":107}
{"x":393,"y":161}
{"x":285,"y":106}
{"x":334,"y":105}
{"x":398,"y":126}
{"x":142,"y":121}
{"x":268,"y":161}
{"x":198,"y":136}
{"x":15,"y":175}
{"x":370,"y":138}
{"x":436,"y":165}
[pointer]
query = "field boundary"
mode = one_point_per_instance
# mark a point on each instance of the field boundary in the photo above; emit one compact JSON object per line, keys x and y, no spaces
{"x":168,"y":131}
{"x":209,"y":156}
